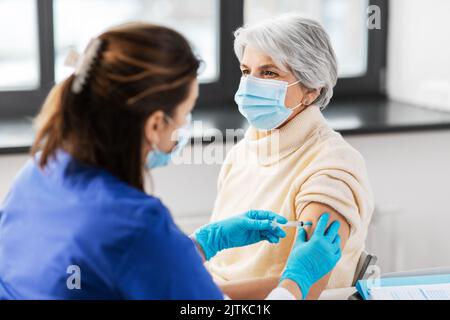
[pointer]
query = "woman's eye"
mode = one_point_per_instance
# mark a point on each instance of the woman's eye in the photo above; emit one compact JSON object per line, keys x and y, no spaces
{"x":245,"y":72}
{"x":269,"y":74}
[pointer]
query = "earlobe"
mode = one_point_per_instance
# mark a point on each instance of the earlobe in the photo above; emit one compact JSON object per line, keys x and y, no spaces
{"x":152,"y":127}
{"x":311,"y":97}
{"x":149,"y":135}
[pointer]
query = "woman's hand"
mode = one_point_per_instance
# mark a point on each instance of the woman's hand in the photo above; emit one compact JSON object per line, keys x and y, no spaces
{"x":311,"y":260}
{"x":249,"y":228}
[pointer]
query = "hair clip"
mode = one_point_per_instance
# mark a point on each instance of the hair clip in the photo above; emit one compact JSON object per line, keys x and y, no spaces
{"x":83,"y":64}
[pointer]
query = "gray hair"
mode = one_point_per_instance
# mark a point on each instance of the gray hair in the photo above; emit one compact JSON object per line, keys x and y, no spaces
{"x":298,"y":44}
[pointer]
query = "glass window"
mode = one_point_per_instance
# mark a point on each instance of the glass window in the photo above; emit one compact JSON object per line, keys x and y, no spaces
{"x":76,"y":22}
{"x":344,"y":20}
{"x":19,"y":48}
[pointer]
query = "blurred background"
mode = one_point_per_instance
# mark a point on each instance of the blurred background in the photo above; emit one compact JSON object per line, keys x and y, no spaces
{"x":392,"y":101}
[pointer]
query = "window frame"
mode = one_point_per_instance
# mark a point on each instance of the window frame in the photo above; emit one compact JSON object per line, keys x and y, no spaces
{"x":27,"y":102}
{"x":215,"y":95}
{"x":372,"y":83}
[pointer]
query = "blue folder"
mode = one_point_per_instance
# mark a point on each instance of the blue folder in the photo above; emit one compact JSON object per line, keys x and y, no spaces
{"x":364,"y":286}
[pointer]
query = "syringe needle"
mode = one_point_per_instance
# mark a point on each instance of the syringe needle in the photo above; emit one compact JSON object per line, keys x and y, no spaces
{"x":291,"y":224}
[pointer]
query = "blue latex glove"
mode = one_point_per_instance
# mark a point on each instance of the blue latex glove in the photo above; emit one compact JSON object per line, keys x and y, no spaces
{"x":246,"y":229}
{"x":311,"y":260}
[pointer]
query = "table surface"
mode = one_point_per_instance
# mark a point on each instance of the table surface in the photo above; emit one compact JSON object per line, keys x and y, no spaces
{"x":347,"y":117}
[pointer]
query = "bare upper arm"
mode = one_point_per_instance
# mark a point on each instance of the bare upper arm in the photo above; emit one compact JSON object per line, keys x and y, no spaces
{"x":312,"y":212}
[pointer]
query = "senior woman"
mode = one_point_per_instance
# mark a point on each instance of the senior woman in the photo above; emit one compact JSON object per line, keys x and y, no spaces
{"x":290,"y":161}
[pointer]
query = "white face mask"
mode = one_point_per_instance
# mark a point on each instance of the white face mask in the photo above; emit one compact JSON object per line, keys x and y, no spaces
{"x":157,"y":158}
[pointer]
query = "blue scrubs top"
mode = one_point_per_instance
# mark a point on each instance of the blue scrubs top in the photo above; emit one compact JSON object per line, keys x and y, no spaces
{"x":72,"y":222}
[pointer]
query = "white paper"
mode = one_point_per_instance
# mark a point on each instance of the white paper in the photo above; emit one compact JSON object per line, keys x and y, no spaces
{"x":414,"y":292}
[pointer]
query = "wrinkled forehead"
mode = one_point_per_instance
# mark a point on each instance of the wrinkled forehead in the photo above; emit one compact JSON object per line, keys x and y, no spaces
{"x":255,"y":58}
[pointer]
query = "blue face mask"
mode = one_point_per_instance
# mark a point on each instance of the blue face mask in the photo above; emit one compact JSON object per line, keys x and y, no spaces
{"x":157,"y":158}
{"x":261,"y":102}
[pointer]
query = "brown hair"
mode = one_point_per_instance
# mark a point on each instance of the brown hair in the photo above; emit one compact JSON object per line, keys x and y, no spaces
{"x":140,"y":69}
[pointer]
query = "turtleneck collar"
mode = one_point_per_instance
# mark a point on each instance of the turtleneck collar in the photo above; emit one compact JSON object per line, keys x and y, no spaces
{"x":280,"y":143}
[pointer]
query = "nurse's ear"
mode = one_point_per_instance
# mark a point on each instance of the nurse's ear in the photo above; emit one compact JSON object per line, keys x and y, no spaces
{"x":154,"y":128}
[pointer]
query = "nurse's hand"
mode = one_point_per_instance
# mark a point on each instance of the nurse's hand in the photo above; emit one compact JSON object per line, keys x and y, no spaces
{"x":311,"y":260}
{"x":246,"y":229}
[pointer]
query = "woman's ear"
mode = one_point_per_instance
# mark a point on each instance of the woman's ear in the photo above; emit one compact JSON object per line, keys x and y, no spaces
{"x":153,"y":127}
{"x":311,"y":96}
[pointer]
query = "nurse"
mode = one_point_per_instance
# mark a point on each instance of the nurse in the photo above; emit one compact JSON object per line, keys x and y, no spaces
{"x":77,"y":223}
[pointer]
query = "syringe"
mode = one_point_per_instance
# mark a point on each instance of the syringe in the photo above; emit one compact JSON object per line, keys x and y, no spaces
{"x":291,"y":224}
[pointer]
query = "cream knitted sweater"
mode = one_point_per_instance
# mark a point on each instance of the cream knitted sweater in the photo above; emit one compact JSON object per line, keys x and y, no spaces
{"x":303,"y":162}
